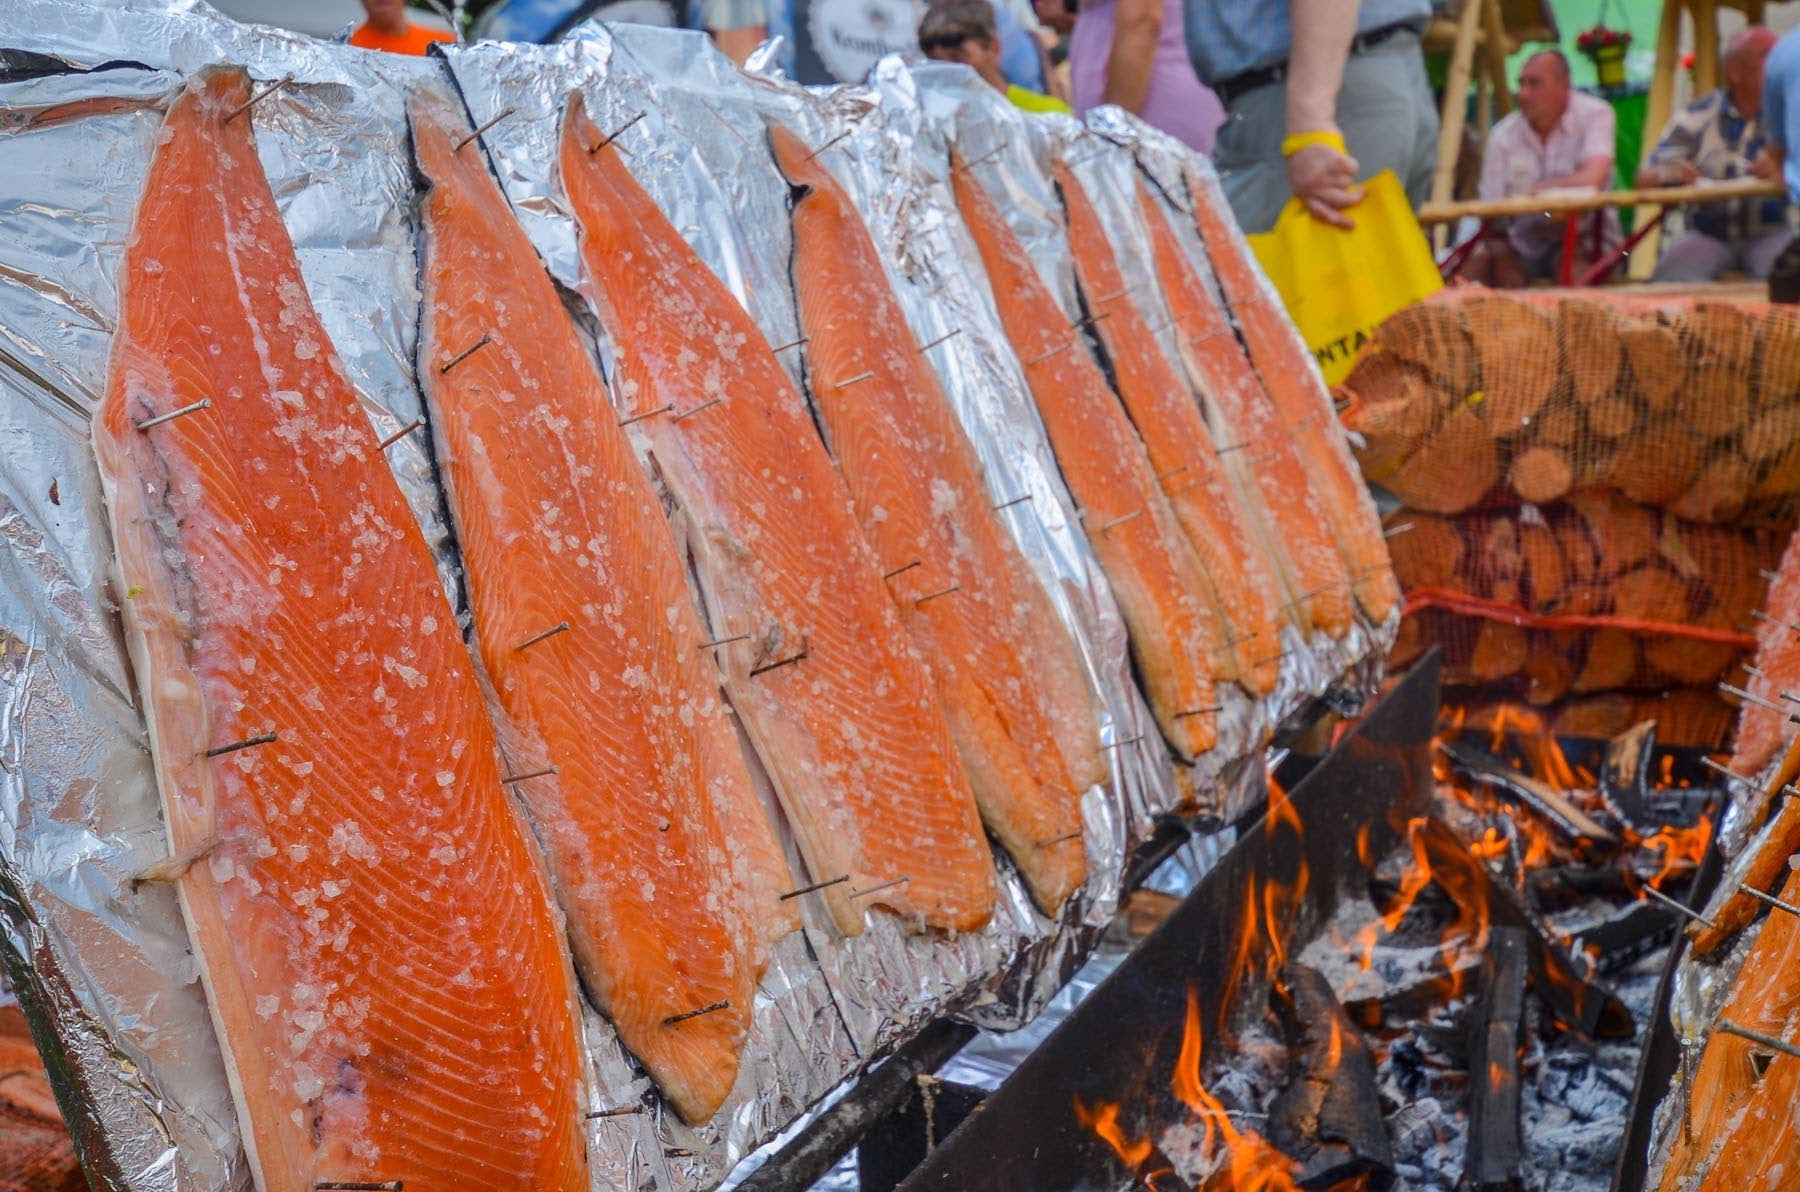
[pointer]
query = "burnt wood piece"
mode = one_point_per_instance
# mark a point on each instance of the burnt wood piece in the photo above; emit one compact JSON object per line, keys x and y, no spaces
{"x":1548,"y":803}
{"x":1120,"y":1045}
{"x":1628,"y":934}
{"x":1328,"y":1118}
{"x":1627,"y":775}
{"x":1496,"y":1157}
{"x":1560,"y":887}
{"x":1579,"y":1001}
{"x":1406,"y":1005}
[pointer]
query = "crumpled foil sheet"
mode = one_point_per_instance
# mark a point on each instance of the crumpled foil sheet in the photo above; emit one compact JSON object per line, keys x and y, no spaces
{"x":104,"y":967}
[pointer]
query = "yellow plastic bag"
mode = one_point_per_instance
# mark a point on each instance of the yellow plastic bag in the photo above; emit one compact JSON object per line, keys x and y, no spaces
{"x":1340,"y":284}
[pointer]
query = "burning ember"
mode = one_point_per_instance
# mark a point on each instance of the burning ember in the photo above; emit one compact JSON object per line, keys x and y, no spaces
{"x":1465,"y":1017}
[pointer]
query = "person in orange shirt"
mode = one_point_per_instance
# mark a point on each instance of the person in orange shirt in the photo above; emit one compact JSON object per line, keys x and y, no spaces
{"x":388,"y":29}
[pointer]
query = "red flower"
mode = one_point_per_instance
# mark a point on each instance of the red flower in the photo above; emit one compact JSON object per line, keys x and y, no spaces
{"x":1589,"y":41}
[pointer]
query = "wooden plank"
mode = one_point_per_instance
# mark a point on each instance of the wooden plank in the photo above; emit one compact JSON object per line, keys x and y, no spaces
{"x":1456,"y":106}
{"x":1738,"y":188}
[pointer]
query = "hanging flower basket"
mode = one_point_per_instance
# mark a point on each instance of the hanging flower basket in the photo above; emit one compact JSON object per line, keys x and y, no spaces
{"x":1606,"y":47}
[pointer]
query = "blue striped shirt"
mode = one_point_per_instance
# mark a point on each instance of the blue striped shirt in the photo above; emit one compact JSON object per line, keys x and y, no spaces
{"x":1229,"y":37}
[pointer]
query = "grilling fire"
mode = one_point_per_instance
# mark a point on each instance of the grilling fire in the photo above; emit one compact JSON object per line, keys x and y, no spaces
{"x":1457,"y":1008}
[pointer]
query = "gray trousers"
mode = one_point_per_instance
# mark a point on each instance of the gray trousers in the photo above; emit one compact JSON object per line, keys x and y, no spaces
{"x":1695,"y":256}
{"x":1385,"y":108}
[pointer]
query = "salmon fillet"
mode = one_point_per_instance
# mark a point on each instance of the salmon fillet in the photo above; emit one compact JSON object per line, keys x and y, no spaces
{"x":1742,"y":1128}
{"x":1181,"y":448}
{"x":1260,"y":455}
{"x":825,"y":682}
{"x":1006,"y":671}
{"x":379,"y":952}
{"x":1762,"y":732}
{"x":1176,"y":635}
{"x":667,"y":871}
{"x":1294,"y":385}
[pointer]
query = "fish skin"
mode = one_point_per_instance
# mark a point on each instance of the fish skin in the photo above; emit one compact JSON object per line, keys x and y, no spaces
{"x":1006,"y":671}
{"x":1181,"y":449}
{"x":375,"y":936}
{"x":1260,"y":456}
{"x":665,"y":866}
{"x":837,"y":703}
{"x":1175,"y":631}
{"x":1294,"y":385}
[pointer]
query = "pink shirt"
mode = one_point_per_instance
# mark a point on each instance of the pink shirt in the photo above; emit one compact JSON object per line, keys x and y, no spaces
{"x":1517,"y":160}
{"x":1176,"y":102}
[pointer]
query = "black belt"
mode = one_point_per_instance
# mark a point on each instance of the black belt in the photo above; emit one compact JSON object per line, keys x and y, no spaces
{"x":1240,"y":84}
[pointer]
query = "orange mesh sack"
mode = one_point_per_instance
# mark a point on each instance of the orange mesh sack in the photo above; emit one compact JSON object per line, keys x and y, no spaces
{"x":1477,"y":398}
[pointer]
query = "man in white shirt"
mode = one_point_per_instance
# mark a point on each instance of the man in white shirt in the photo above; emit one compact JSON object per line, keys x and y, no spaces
{"x":1558,"y":139}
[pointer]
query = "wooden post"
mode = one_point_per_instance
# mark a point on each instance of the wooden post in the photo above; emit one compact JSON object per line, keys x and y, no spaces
{"x":1706,"y":45}
{"x":1456,"y":104}
{"x":1498,"y":45}
{"x":1660,"y":103}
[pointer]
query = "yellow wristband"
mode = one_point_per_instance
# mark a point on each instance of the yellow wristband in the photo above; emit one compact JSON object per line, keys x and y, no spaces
{"x":1295,"y":142}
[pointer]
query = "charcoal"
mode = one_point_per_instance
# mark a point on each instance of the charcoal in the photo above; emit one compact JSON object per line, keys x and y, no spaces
{"x":1328,"y":1118}
{"x":1496,"y":1148}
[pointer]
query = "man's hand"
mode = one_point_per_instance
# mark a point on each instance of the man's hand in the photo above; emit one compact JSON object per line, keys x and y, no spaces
{"x":1681,"y":173}
{"x":1767,"y":165}
{"x":1325,"y":180}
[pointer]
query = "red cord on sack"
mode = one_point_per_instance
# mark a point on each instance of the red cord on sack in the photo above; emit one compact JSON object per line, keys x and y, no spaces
{"x":1493,"y":610}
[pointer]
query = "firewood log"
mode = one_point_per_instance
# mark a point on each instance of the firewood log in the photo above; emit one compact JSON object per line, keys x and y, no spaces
{"x":1431,"y":337}
{"x":1549,"y":666}
{"x":1500,"y":651}
{"x":1651,"y":592}
{"x":1591,"y":347}
{"x":1772,"y":431}
{"x":1561,"y":425}
{"x":1500,"y":563}
{"x":1520,"y":364}
{"x":1611,"y":662}
{"x":1452,"y":469}
{"x":1687,"y":717}
{"x":1390,"y":431}
{"x":1687,"y":661}
{"x":1719,"y":492}
{"x":1653,"y":354}
{"x":1541,"y":475}
{"x":1426,"y":555}
{"x":1778,"y":362}
{"x":1655,"y":465}
{"x":1409,"y":643}
{"x":1720,"y":340}
{"x":1624,"y":533}
{"x":1613,"y":416}
{"x":1602,"y":716}
{"x":1544,"y":570}
{"x":1779,"y":478}
{"x":1583,"y":583}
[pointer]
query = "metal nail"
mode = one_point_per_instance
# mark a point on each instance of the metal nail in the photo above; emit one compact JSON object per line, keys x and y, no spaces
{"x":904,"y":568}
{"x":836,"y":881}
{"x":1115,"y":297}
{"x":1787,"y":625}
{"x":616,"y":134}
{"x":1176,"y":492}
{"x":1752,"y":698}
{"x":936,"y":594}
{"x":1233,"y":447}
{"x":986,"y":157}
{"x":1050,"y":353}
{"x":467,"y":352}
{"x":535,"y":638}
{"x":1126,"y":741}
{"x":1173,"y":471}
{"x":828,"y":144}
{"x":1396,"y":531}
{"x":1677,"y":907}
{"x":219,"y":750}
{"x":1777,"y":903}
{"x":482,"y":128}
{"x":1090,"y":320}
{"x":1710,"y":764}
{"x":362,"y":1185}
{"x":689,"y":413}
{"x":767,"y":667}
{"x":720,"y":641}
{"x":646,"y":414}
{"x":621,"y":1111}
{"x":1119,"y":521}
{"x":1057,"y":839}
{"x":1732,"y":1028}
{"x":530,"y":774}
{"x":940,"y":339}
{"x":722,"y":1004}
{"x":204,"y":403}
{"x":846,"y":383}
{"x":258,"y":97}
{"x":1199,"y":711}
{"x":883,"y":886}
{"x":408,"y":429}
{"x":1767,"y":574}
{"x":792,"y":343}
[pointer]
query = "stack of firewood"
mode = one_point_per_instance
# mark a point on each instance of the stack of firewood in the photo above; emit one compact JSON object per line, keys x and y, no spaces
{"x":1592,"y":491}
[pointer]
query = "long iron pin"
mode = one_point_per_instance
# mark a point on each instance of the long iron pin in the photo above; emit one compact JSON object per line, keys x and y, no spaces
{"x":1396,"y":531}
{"x":690,"y":413}
{"x":1119,"y":521}
{"x":1172,"y":471}
{"x":792,"y":343}
{"x":483,"y":128}
{"x":646,"y":414}
{"x":408,"y":429}
{"x":828,"y":144}
{"x":1710,"y":764}
{"x":1014,"y":501}
{"x":720,"y":641}
{"x":258,"y":97}
{"x":1777,"y":903}
{"x":617,"y":133}
{"x":204,"y":403}
{"x":986,"y":157}
{"x":1760,"y":615}
{"x":1126,"y":741}
{"x":940,"y":339}
{"x":1751,"y":697}
{"x":1057,"y":839}
{"x":535,"y":638}
{"x":246,"y":743}
{"x":621,"y":1111}
{"x":467,"y":352}
{"x":835,"y":881}
{"x":1050,"y":353}
{"x":361,"y":1185}
{"x":1199,"y":711}
{"x":1673,"y":905}
{"x":776,"y":665}
{"x":530,"y":774}
{"x":722,"y":1004}
{"x":887,"y":885}
{"x":903,"y":568}
{"x":936,"y":594}
{"x":1732,"y":1028}
{"x":849,"y":381}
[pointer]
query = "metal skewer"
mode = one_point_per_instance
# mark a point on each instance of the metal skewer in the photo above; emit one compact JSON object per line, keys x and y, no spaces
{"x":483,"y":128}
{"x":646,"y":414}
{"x":690,"y":413}
{"x":530,"y":774}
{"x":408,"y":429}
{"x":256,"y":98}
{"x":835,"y":881}
{"x":616,"y":134}
{"x":204,"y":403}
{"x":883,"y":886}
{"x":904,"y":567}
{"x":1732,"y":1028}
{"x":621,"y":1111}
{"x":846,"y":383}
{"x":792,"y":343}
{"x":723,"y":1004}
{"x":940,"y":339}
{"x":1119,"y":521}
{"x":1677,"y":907}
{"x":535,"y":638}
{"x":828,"y":144}
{"x":720,"y":641}
{"x":467,"y":352}
{"x":935,"y":595}
{"x":1777,"y":903}
{"x":221,"y":750}
{"x":767,"y":667}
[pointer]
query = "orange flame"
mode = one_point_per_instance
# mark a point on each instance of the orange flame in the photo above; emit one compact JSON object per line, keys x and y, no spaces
{"x":1103,"y":1120}
{"x":1244,"y":1160}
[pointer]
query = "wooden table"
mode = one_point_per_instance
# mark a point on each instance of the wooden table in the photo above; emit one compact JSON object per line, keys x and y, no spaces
{"x":1570,"y":204}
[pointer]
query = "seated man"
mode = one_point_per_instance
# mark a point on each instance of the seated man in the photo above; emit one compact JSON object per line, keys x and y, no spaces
{"x":1718,"y":136}
{"x":965,"y":31}
{"x":1559,"y":138}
